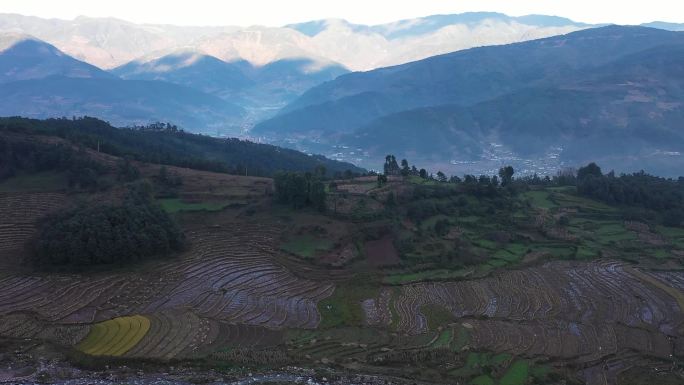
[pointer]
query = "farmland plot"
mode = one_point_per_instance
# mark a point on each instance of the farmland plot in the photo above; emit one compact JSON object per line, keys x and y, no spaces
{"x":115,"y":337}
{"x":19,"y":213}
{"x":24,"y":326}
{"x":565,"y":310}
{"x":171,"y":334}
{"x":228,"y":276}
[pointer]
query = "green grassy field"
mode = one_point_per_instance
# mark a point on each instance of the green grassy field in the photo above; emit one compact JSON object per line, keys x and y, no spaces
{"x":436,"y":316}
{"x":573,"y":201}
{"x":673,"y":234}
{"x":307,"y":246}
{"x":539,"y":199}
{"x":43,"y":181}
{"x":418,"y":180}
{"x":343,"y":307}
{"x":461,"y":338}
{"x":516,"y":374}
{"x":512,"y":252}
{"x":443,"y":340}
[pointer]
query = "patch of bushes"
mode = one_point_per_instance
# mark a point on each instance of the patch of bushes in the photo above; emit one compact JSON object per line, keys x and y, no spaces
{"x":641,"y":190}
{"x":121,"y":234}
{"x":30,"y":157}
{"x":300,"y":190}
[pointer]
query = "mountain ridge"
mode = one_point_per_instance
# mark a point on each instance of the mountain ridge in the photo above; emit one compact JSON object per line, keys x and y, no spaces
{"x":23,"y":57}
{"x":38,"y":80}
{"x":608,"y":91}
{"x":357,"y":47}
{"x":261,"y":90}
{"x":440,"y":79}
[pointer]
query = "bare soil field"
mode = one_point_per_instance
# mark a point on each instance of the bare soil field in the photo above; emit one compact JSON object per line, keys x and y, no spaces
{"x":227,"y":276}
{"x":578,"y":312}
{"x":19,"y":214}
{"x":205,"y":185}
{"x":381,"y":252}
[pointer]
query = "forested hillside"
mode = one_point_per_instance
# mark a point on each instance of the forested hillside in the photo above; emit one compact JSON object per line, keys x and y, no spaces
{"x":166,"y":144}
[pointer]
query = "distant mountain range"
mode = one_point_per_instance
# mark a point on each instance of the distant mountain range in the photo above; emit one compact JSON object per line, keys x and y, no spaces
{"x":463,"y":93}
{"x":109,"y":43}
{"x":262,"y":91}
{"x":198,"y":92}
{"x":677,"y":27}
{"x":39,"y":81}
{"x":24,"y":58}
{"x":605,"y":93}
{"x":217,"y":80}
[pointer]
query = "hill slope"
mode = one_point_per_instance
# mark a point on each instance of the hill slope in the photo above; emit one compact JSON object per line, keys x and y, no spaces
{"x":23,"y":57}
{"x":40,"y":81}
{"x":167,"y":145}
{"x":464,"y":77}
{"x":121,"y":102}
{"x":260,"y":89}
{"x":628,"y":107}
{"x":188,"y":68}
{"x":531,"y":98}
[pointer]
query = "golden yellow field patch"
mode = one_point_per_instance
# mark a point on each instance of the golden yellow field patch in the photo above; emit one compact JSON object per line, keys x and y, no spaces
{"x":115,"y":337}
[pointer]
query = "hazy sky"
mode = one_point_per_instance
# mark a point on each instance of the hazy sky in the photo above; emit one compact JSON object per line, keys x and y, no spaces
{"x":279,"y":12}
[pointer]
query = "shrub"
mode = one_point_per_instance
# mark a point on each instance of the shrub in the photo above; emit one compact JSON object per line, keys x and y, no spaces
{"x":442,"y":227}
{"x":674,"y":218}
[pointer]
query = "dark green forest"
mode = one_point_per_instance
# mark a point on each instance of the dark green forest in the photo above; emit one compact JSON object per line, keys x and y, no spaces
{"x":301,"y":190}
{"x":164,"y":143}
{"x":30,"y":156}
{"x":109,"y":234}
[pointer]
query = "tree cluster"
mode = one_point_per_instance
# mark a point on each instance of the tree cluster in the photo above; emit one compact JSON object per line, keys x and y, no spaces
{"x":506,"y":175}
{"x":447,"y":199}
{"x":120,"y":234}
{"x":391,"y":167}
{"x":300,"y":190}
{"x":28,"y":156}
{"x":640,"y":189}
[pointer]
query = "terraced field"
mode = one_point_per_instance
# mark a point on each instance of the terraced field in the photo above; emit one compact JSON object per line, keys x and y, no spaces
{"x":237,"y":288}
{"x":19,"y":213}
{"x":211,"y":187}
{"x":226,"y":291}
{"x":171,"y":334}
{"x":227,"y":276}
{"x":567,"y":310}
{"x":23,"y":325}
{"x":115,"y":337}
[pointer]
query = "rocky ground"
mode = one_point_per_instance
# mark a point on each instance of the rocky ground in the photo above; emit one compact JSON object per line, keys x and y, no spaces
{"x":36,"y":362}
